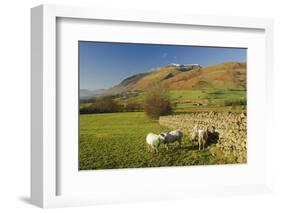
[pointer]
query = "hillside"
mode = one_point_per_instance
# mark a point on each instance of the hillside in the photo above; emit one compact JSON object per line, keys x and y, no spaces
{"x":225,"y":76}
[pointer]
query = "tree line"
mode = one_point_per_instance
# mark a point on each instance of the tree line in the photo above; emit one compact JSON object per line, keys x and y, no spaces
{"x":107,"y":104}
{"x":156,"y":103}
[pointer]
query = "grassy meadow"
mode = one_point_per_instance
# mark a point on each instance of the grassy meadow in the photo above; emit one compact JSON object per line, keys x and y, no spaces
{"x":117,"y":140}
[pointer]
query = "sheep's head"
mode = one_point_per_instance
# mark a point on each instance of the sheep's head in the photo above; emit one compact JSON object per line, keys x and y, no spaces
{"x":162,"y":136}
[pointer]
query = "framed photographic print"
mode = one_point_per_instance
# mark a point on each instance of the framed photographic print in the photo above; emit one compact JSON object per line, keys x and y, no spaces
{"x":129,"y":106}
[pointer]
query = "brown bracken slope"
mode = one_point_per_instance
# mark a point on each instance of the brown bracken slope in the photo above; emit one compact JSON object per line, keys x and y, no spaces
{"x":229,"y":75}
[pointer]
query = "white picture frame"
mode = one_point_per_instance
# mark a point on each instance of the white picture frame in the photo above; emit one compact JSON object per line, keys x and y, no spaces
{"x":44,"y":154}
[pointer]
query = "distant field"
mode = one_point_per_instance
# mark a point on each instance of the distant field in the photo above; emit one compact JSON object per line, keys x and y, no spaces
{"x":117,"y":140}
{"x":207,"y":94}
{"x":195,"y":100}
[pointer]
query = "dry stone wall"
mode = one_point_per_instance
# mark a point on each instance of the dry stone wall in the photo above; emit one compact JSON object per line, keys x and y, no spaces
{"x":231,"y":127}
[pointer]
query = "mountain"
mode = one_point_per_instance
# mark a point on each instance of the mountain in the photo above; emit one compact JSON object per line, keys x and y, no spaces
{"x":229,"y":75}
{"x":85,"y":93}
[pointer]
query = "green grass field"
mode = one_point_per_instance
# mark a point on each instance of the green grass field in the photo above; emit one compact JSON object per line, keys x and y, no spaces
{"x":193,"y":95}
{"x":207,"y":94}
{"x":189,"y":100}
{"x":192,"y":100}
{"x":117,"y":140}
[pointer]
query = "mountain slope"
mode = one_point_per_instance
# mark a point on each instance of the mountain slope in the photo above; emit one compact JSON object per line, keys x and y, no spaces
{"x":229,"y":75}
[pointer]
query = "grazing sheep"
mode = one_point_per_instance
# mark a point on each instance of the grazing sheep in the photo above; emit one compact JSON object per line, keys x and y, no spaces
{"x":153,"y":141}
{"x":171,"y":137}
{"x":202,"y":138}
{"x":194,"y":135}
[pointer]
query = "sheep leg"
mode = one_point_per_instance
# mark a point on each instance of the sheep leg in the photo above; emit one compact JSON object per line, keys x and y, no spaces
{"x":167,"y":148}
{"x":180,"y":143}
{"x":156,"y":150}
{"x":148,"y":149}
{"x":193,"y":143}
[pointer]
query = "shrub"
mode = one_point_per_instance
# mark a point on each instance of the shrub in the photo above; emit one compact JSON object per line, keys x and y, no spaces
{"x":157,"y":102}
{"x":106,"y":104}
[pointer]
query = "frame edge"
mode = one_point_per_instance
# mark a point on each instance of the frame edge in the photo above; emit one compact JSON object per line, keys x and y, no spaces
{"x":37,"y":106}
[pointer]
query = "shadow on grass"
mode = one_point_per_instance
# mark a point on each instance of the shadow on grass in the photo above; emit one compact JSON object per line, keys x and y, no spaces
{"x":175,"y":149}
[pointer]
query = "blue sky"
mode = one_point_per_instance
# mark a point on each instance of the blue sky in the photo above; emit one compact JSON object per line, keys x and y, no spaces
{"x":105,"y":64}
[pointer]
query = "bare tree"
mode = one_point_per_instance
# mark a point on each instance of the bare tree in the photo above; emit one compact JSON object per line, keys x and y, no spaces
{"x":157,"y":102}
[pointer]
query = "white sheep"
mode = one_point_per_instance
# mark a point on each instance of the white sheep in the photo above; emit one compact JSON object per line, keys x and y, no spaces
{"x":153,"y":141}
{"x":172,"y":137}
{"x":199,"y":135}
{"x":202,"y":138}
{"x":194,"y":135}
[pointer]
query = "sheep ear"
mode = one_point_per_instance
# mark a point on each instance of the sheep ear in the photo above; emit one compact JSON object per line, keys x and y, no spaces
{"x":163,"y":135}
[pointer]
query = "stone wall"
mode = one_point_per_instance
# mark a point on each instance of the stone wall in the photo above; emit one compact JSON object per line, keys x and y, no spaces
{"x":231,"y":127}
